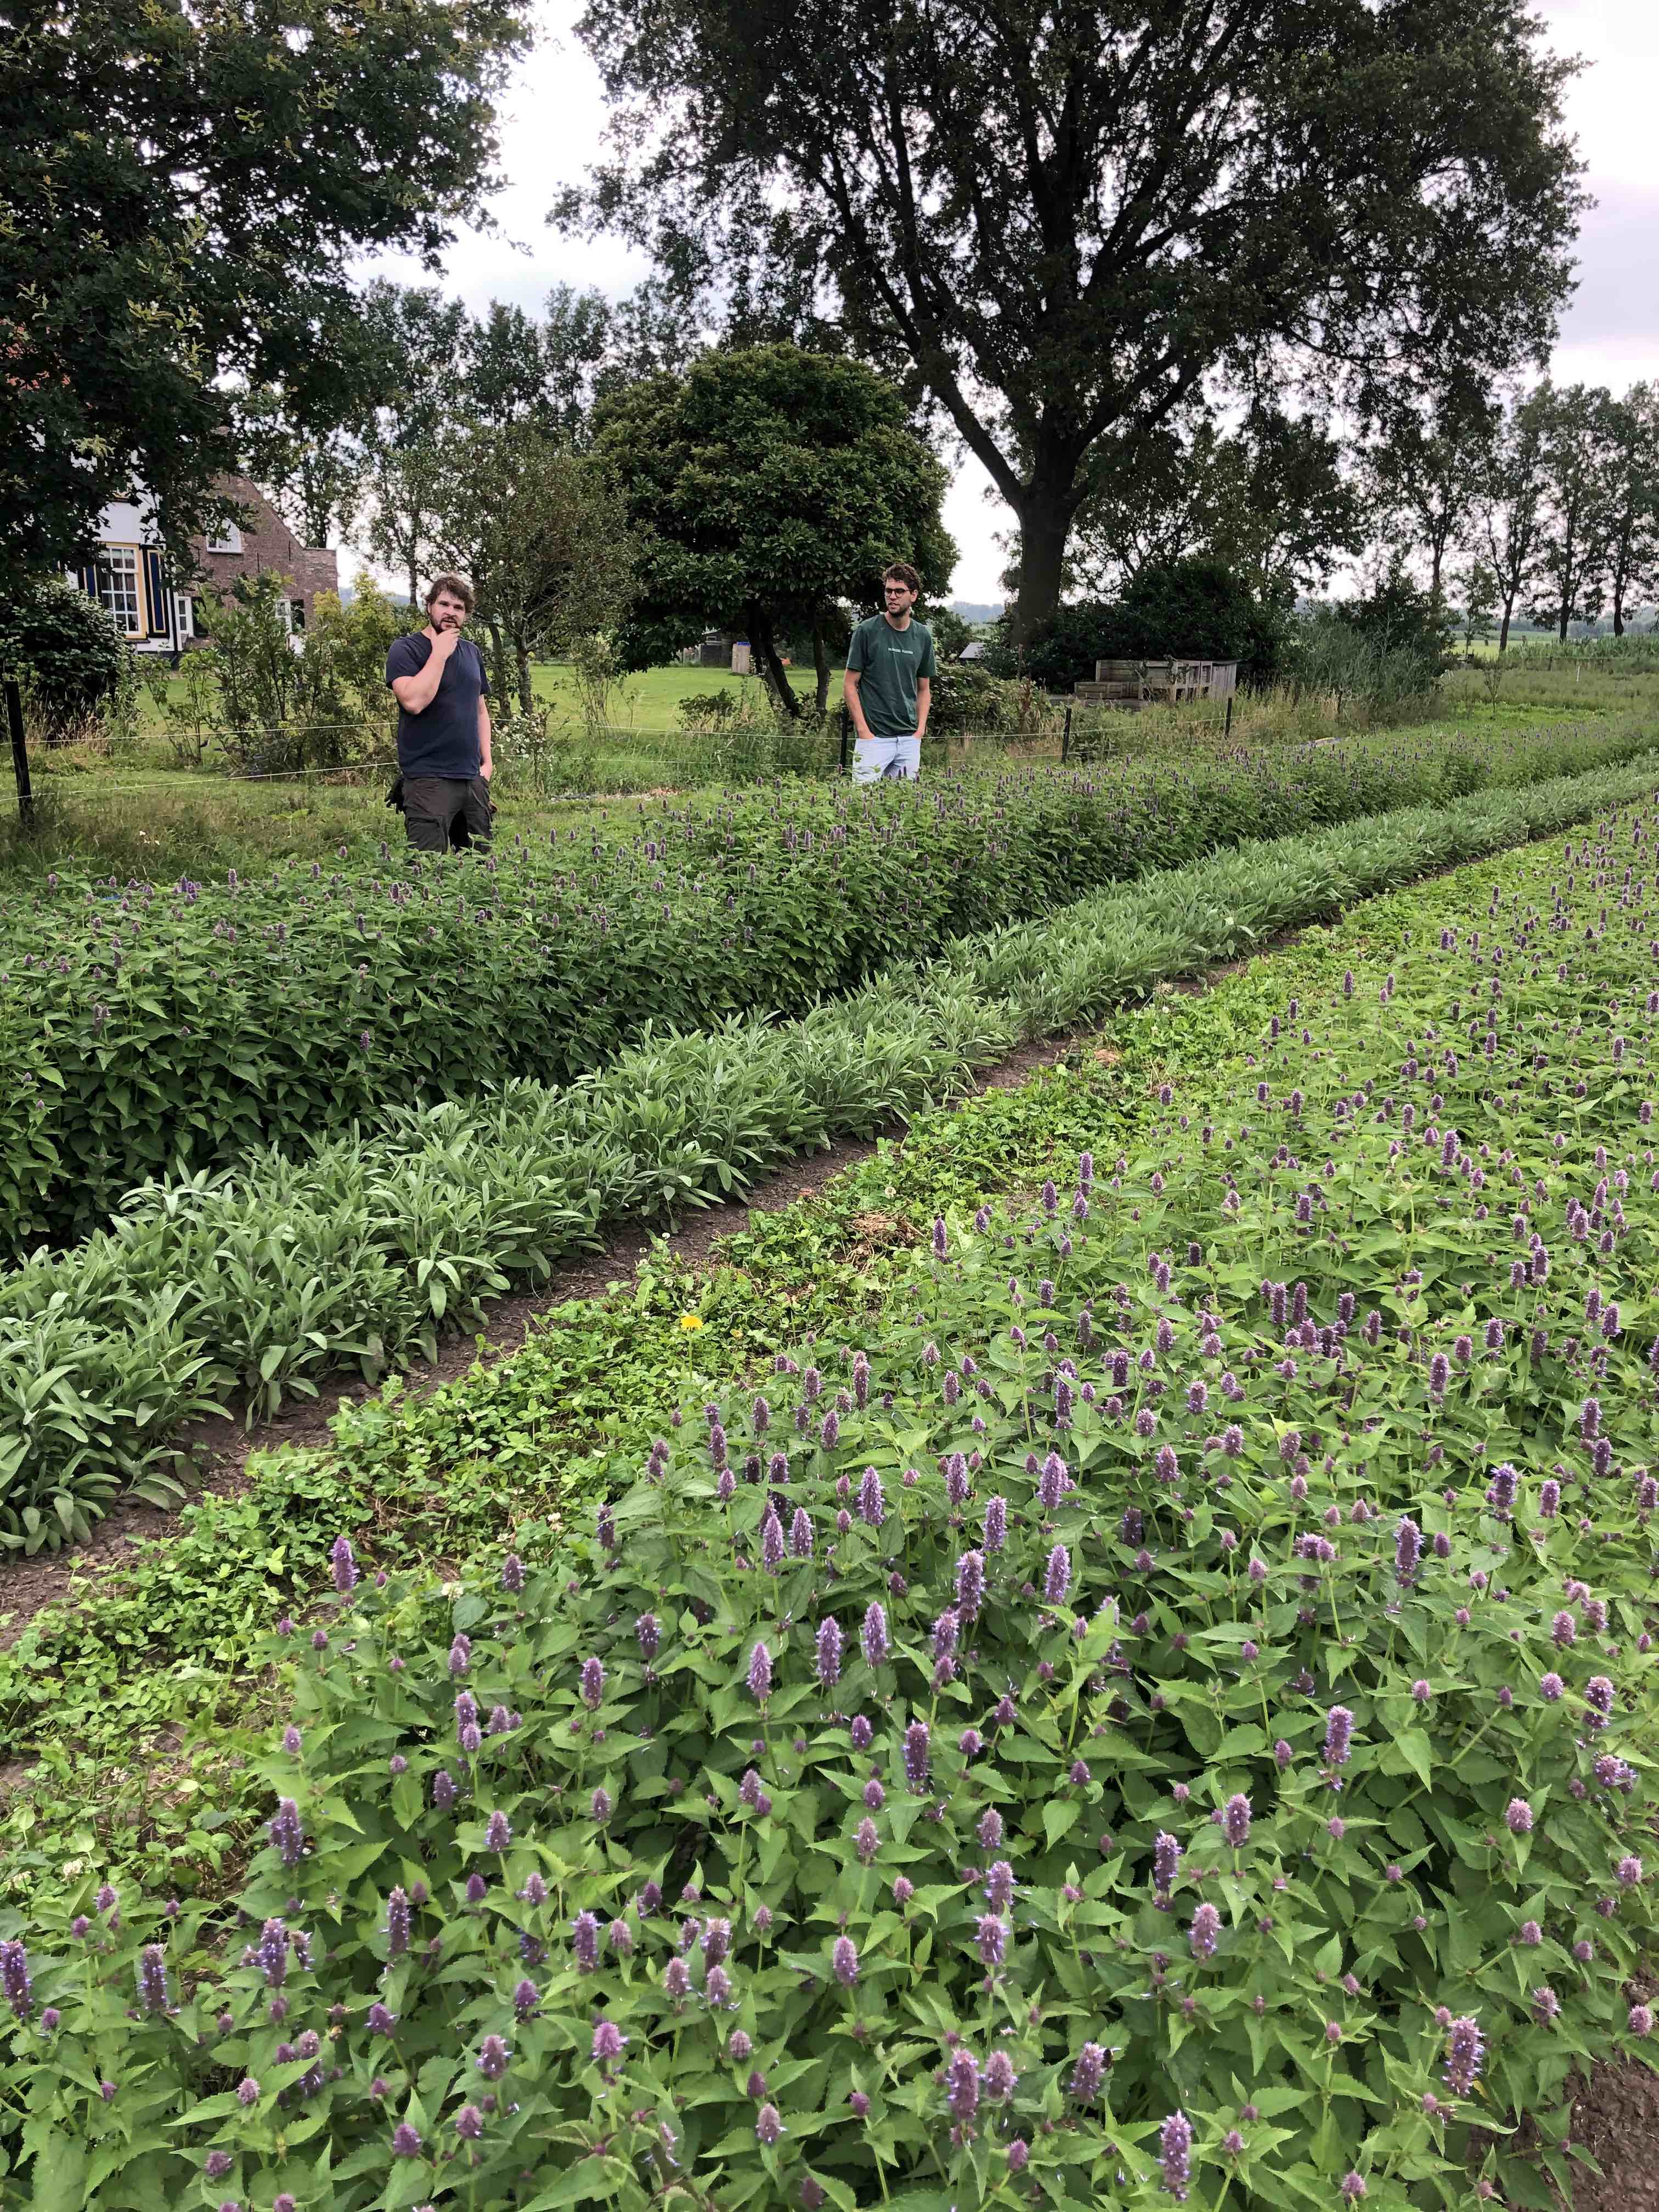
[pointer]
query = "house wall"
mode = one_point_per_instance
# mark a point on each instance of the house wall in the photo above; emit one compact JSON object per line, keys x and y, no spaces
{"x":159,"y":613}
{"x":267,"y":544}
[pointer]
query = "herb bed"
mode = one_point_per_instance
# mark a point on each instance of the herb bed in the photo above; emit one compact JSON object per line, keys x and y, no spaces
{"x":368,"y":1247}
{"x":1168,"y":1717}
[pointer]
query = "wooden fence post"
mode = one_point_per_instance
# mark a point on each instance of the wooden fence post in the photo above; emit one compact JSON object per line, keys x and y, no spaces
{"x":20,"y":757}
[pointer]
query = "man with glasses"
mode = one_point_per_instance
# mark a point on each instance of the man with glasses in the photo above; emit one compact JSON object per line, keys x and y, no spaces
{"x":889,"y":685}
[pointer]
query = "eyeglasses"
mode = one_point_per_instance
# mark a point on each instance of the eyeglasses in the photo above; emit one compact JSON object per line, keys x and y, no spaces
{"x":897,"y":591}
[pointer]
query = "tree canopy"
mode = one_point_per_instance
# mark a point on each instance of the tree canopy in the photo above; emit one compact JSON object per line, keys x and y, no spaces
{"x":183,"y":192}
{"x":1065,"y":216}
{"x":768,"y":483}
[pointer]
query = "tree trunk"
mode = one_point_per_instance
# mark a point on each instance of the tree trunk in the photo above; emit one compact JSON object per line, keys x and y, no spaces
{"x":1564,"y":619}
{"x":521,"y":659}
{"x":764,"y":654}
{"x":821,"y":662}
{"x":502,"y":680}
{"x":1504,"y":627}
{"x":414,"y":583}
{"x":1045,"y":525}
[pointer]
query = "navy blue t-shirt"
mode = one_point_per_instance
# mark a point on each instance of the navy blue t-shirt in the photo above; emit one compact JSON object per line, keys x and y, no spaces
{"x":443,"y":738}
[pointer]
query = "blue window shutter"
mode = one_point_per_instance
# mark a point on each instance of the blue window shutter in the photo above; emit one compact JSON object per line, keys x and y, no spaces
{"x":156,"y":592}
{"x":88,"y":579}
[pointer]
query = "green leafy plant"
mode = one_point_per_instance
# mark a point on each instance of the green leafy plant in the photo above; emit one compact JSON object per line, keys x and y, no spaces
{"x":1167,"y":1717}
{"x":372,"y":1246}
{"x":149,"y":1030}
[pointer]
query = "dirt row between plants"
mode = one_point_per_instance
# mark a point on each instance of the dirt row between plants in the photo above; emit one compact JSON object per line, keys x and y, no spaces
{"x":223,"y":1444}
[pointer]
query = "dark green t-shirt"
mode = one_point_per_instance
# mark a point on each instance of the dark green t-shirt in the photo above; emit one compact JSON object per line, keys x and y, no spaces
{"x":888,"y":664}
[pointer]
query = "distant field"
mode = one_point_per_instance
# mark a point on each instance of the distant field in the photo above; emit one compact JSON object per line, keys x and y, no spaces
{"x":649,"y":701}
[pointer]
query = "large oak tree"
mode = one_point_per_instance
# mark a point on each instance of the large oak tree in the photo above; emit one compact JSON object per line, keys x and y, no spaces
{"x":182,"y":190}
{"x":1066,"y":215}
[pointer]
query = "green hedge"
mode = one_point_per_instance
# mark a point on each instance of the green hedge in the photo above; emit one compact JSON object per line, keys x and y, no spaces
{"x":1173,"y":1721}
{"x":146,"y":1031}
{"x":370,"y":1247}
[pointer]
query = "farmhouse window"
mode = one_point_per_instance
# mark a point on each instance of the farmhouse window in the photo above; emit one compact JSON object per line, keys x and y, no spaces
{"x":227,"y":540}
{"x":118,"y":587}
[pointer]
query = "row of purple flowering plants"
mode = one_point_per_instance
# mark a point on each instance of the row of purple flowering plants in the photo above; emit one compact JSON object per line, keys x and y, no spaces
{"x":1171,"y":1721}
{"x":152,"y":1028}
{"x":366,"y":1248}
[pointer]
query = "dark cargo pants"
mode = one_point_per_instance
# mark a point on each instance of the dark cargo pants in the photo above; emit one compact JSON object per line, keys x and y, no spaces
{"x":442,"y":813}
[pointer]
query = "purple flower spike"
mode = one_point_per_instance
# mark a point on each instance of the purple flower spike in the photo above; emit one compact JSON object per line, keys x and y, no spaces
{"x":608,"y":2043}
{"x":344,"y":1564}
{"x":1174,"y":2145}
{"x":844,"y":1962}
{"x":916,"y":1756}
{"x":962,"y":2091}
{"x":1518,"y":1818}
{"x":14,"y":1978}
{"x":593,"y":1684}
{"x":1166,"y":1861}
{"x":584,"y":1941}
{"x":875,"y":1636}
{"x":872,"y":1503}
{"x":970,"y":1583}
{"x":828,"y":1653}
{"x":648,"y":1631}
{"x":1339,"y":1735}
{"x":1057,"y":1576}
{"x":998,"y":1884}
{"x":772,"y":1543}
{"x":1236,"y":1821}
{"x":800,"y":1534}
{"x":152,"y":1978}
{"x":460,"y":1655}
{"x":1206,"y":1931}
{"x":759,"y":1673}
{"x":498,"y":1833}
{"x":1088,"y":2074}
{"x":405,"y":2141}
{"x":1408,"y":1551}
{"x":287,"y":1832}
{"x":768,"y":2127}
{"x":996,"y":1523}
{"x":1465,"y":2049}
{"x":512,"y":1573}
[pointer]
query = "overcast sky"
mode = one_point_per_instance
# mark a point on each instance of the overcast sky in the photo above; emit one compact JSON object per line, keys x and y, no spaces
{"x":554,"y":115}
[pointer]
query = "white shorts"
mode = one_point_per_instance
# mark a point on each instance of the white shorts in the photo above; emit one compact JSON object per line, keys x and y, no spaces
{"x":876,"y":759}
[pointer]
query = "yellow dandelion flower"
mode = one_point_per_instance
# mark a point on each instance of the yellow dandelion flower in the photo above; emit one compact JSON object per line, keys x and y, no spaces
{"x":690,"y":1321}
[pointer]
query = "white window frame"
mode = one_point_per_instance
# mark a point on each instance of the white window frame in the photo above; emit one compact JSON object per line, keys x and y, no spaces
{"x":122,"y":563}
{"x":229,"y":540}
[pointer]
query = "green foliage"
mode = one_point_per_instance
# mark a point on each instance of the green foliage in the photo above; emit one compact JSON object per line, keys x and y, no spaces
{"x":969,"y":698}
{"x":275,"y":701}
{"x":1189,"y":609}
{"x":1305,"y":1701}
{"x":192,"y":1024}
{"x":366,"y":1250}
{"x":61,"y":647}
{"x":1270,"y":501}
{"x":227,"y":173}
{"x":1061,"y":225}
{"x":1384,"y":649}
{"x":541,"y":533}
{"x":769,"y":484}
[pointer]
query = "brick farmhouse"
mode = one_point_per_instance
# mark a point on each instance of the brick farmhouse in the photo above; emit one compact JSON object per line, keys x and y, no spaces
{"x":158,"y":611}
